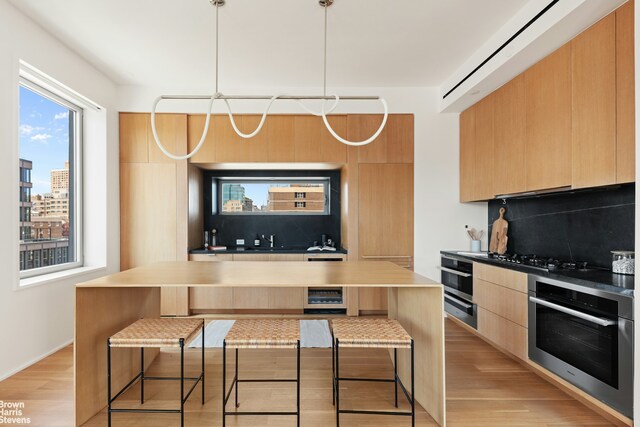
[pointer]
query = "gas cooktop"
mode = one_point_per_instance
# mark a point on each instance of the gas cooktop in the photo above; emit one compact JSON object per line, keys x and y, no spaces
{"x":542,"y":263}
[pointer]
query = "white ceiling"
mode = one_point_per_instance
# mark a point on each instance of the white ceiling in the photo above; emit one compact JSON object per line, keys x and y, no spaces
{"x":275,"y":43}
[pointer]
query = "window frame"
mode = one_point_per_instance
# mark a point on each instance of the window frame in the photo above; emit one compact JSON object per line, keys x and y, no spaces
{"x":218,"y":182}
{"x":76,"y":245}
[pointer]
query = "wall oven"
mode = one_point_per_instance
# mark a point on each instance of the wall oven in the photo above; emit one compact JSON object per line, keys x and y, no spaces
{"x":457,"y":278}
{"x":585,"y":336}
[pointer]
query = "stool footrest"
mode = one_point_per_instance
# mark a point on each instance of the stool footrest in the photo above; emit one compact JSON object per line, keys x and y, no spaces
{"x":355,"y":411}
{"x":260,"y":413}
{"x":172,"y":411}
{"x":171,"y":378}
{"x":377,"y":380}
{"x":268,"y":381}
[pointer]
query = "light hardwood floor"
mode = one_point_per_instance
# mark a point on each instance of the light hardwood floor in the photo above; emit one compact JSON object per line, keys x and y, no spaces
{"x":484,"y":388}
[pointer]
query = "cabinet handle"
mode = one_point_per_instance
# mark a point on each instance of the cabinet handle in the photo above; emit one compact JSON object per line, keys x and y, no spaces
{"x":584,"y":316}
{"x":458,"y":301}
{"x":456,"y":272}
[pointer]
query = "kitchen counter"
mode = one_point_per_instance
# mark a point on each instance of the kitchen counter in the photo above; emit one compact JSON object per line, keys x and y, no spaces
{"x":267,"y":250}
{"x":600,"y":279}
{"x":107,"y":304}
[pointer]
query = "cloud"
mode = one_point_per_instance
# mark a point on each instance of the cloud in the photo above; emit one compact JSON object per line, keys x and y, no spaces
{"x":40,"y":137}
{"x":26,"y":130}
{"x":61,"y":116}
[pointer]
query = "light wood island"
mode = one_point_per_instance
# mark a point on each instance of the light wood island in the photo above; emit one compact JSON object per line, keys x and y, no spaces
{"x":108,"y":304}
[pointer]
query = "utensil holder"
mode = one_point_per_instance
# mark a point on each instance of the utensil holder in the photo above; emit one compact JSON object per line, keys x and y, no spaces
{"x":476,"y":246}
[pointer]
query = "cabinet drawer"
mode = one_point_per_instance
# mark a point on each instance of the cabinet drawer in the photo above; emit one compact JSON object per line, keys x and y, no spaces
{"x":204,"y":298}
{"x":501,"y":276}
{"x":502,"y":301}
{"x":506,"y":334}
{"x":210,"y":257}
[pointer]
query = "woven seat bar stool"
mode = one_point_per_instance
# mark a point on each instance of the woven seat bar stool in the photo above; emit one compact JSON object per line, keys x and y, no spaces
{"x":156,"y":333}
{"x":260,"y":334}
{"x":371,"y":333}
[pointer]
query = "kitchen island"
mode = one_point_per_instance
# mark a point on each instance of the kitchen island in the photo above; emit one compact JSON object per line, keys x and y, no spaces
{"x":110,"y":303}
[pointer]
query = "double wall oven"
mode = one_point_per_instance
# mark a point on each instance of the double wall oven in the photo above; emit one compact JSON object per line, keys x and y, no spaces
{"x":585,"y":336}
{"x":457,"y":278}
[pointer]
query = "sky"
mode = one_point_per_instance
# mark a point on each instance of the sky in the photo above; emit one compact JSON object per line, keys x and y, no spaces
{"x":44,"y":137}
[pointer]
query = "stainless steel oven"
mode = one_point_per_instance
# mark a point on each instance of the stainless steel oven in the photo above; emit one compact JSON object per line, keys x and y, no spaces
{"x":585,"y":336}
{"x":457,"y":278}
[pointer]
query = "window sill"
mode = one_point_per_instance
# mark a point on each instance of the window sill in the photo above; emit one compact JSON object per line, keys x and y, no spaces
{"x":44,"y":279}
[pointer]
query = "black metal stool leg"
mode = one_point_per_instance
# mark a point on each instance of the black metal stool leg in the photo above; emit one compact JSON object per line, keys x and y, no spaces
{"x":109,"y":382}
{"x":182,"y":382}
{"x":224,"y":382}
{"x":298,"y":382}
{"x":413,"y":398}
{"x":236,"y":379}
{"x":141,"y":375}
{"x":203,"y":362}
{"x":395,"y":373}
{"x":337,"y":383}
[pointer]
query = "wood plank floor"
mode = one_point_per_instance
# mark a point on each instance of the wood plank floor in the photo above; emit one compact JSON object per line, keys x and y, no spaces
{"x":484,"y":388}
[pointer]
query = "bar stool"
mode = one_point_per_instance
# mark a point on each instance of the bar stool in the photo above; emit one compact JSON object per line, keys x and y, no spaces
{"x":260,"y":334}
{"x":156,"y":333}
{"x":371,"y":333}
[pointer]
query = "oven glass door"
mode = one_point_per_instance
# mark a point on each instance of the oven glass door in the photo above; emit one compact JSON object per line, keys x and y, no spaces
{"x":582,"y":343}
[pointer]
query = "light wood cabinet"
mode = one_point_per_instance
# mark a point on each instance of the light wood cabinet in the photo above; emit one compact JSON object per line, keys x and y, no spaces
{"x":314,"y":143}
{"x":202,"y":298}
{"x":548,"y":121}
{"x":281,"y":139}
{"x":593,"y":63}
{"x":509,"y":138}
{"x":625,"y":95}
{"x":385,"y":200}
{"x":502,"y":298}
{"x":134,"y":133}
{"x":467,"y":153}
{"x":393,"y":145}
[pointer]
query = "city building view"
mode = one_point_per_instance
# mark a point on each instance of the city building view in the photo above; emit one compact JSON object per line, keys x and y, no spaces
{"x":44,"y":219}
{"x":273,"y":197}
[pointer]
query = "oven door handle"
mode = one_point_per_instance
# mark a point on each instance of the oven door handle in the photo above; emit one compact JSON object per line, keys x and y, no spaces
{"x":456,"y":272}
{"x":458,"y":301}
{"x":589,"y":318}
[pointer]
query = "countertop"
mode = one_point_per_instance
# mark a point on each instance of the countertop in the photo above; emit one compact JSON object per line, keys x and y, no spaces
{"x":264,"y":274}
{"x":597,"y":278}
{"x":267,"y":250}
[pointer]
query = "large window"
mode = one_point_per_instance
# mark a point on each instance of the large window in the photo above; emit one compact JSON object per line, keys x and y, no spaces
{"x":49,"y":194}
{"x":260,"y":196}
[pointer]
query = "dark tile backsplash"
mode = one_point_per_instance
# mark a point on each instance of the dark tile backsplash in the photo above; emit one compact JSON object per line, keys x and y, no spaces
{"x":582,"y":225}
{"x":290,"y":230}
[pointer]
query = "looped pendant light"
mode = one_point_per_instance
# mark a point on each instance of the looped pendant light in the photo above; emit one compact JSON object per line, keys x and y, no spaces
{"x":226,"y":98}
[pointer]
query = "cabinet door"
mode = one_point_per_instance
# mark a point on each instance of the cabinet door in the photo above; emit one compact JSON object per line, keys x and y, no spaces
{"x":625,"y":95}
{"x":134,"y":133}
{"x":245,"y":298}
{"x":286,"y":298}
{"x":393,"y":145}
{"x":509,"y":138}
{"x":385,"y":199}
{"x":467,"y":153}
{"x":484,"y":150}
{"x":548,"y":123}
{"x":281,"y":139}
{"x":172,"y":132}
{"x":314,"y":143}
{"x":195,"y":127}
{"x":594,"y":105}
{"x":206,"y":298}
{"x":232,"y":148}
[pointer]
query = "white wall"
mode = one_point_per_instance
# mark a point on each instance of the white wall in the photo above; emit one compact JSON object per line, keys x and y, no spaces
{"x":439,"y":218}
{"x":39,"y":319}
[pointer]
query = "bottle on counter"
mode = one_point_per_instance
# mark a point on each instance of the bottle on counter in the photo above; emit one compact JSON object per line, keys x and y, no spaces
{"x":214,"y":239}
{"x":256,"y":242}
{"x":206,"y":239}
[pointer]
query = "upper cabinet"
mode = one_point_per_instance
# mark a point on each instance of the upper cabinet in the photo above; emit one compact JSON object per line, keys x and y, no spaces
{"x":509,"y":136}
{"x":393,"y":145}
{"x":593,"y":64}
{"x":547,"y":121}
{"x":625,"y":95}
{"x":568,"y":121}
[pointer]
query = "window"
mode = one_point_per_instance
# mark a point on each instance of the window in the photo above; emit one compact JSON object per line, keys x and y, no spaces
{"x":269,"y":196}
{"x":49,"y":194}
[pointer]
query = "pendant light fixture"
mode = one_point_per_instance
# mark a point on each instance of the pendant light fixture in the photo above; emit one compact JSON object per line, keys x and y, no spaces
{"x":335,"y":99}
